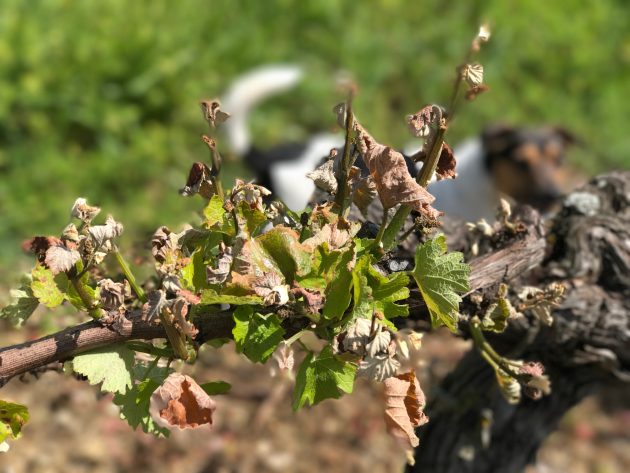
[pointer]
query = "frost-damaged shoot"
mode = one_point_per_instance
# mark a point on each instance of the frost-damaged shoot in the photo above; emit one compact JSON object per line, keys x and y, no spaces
{"x":264,"y":276}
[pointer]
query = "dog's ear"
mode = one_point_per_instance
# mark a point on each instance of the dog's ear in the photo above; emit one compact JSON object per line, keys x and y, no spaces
{"x":497,"y":139}
{"x":567,"y":137}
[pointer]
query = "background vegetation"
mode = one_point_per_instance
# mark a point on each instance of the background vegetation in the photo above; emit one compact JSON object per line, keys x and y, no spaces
{"x":99,"y":99}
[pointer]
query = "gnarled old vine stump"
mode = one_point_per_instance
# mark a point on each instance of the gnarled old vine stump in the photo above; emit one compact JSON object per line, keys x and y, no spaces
{"x":587,"y":347}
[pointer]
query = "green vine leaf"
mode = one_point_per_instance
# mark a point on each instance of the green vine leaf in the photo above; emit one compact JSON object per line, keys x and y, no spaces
{"x":109,"y":365}
{"x":12,"y":418}
{"x":362,"y":294}
{"x":214,"y":211}
{"x":282,"y":245}
{"x":45,"y":287}
{"x":374,"y":292}
{"x":134,"y":407}
{"x":194,"y":273}
{"x":322,"y":377}
{"x":387,"y":290}
{"x":496,"y":317}
{"x":252,"y":218}
{"x":134,"y":403}
{"x":440,"y":277}
{"x":22,"y":306}
{"x":256,"y":335}
{"x":216,"y":387}
{"x":331,"y":273}
{"x":71,"y":293}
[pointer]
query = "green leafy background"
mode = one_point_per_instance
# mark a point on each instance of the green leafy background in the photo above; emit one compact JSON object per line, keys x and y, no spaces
{"x":99,"y":99}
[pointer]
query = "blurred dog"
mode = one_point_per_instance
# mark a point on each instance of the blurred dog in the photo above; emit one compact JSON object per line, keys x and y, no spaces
{"x":524,"y":164}
{"x":282,"y":168}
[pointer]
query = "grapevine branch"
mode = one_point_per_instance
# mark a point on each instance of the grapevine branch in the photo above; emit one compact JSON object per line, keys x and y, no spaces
{"x":488,"y":270}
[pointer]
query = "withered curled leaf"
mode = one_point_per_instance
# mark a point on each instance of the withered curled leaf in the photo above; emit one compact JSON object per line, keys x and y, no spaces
{"x":61,"y":259}
{"x":251,"y":194}
{"x":404,"y":408}
{"x":179,"y":308}
{"x":363,"y":193}
{"x":198,"y":182}
{"x":39,"y":246}
{"x":473,"y":92}
{"x":336,"y":235}
{"x":324,"y":177}
{"x":473,"y":74}
{"x":180,"y":403}
{"x":113,"y":293}
{"x":269,"y":286}
{"x":211,"y":110}
{"x":378,"y":367}
{"x":419,"y":123}
{"x":357,"y":336}
{"x":83,"y":211}
{"x":391,"y":176}
{"x":104,"y":233}
{"x":313,"y":300}
{"x":219,"y":274}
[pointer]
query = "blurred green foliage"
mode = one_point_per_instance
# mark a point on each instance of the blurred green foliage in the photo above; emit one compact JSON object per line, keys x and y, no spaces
{"x":99,"y":99}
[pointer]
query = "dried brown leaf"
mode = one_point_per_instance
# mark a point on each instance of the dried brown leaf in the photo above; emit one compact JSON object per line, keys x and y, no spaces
{"x":250,"y":193}
{"x":473,"y":92}
{"x":61,"y":259}
{"x":445,"y":168}
{"x":446,"y":164}
{"x":83,"y":211}
{"x":357,"y":336}
{"x":391,"y":176}
{"x":189,"y":297}
{"x":336,"y":235}
{"x":154,"y":305}
{"x":378,"y":367}
{"x":269,"y":286}
{"x":324,"y":177}
{"x":179,"y":309}
{"x":404,"y":405}
{"x":198,"y":182}
{"x":364,"y":192}
{"x":420,"y":122}
{"x":70,"y":235}
{"x":313,"y":300}
{"x":113,"y":293}
{"x":211,"y":110}
{"x":219,"y":274}
{"x":180,"y":403}
{"x":104,"y":233}
{"x":39,"y":246}
{"x":473,"y":74}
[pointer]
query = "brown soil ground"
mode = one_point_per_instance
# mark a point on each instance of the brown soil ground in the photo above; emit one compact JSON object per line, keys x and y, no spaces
{"x":74,"y":429}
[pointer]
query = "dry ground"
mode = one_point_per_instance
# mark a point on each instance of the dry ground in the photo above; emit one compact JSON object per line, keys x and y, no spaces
{"x":73,"y":429}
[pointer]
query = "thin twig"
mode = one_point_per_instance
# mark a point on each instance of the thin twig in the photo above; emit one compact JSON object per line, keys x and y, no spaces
{"x":342,"y":177}
{"x":129,"y":276}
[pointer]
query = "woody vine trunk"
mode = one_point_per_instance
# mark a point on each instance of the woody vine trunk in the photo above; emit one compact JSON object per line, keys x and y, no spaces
{"x":472,"y":428}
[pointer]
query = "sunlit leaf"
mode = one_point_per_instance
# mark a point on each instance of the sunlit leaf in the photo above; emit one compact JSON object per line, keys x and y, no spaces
{"x":322,"y":377}
{"x":441,"y":277}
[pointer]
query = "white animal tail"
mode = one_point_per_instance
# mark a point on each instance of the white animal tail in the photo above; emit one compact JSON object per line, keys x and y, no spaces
{"x":249,"y":90}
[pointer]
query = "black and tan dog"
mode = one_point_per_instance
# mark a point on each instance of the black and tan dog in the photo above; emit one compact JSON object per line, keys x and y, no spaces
{"x":522,"y":164}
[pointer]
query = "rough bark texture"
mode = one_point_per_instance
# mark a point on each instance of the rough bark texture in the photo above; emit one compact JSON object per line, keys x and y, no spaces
{"x":61,"y":346}
{"x":587,"y":347}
